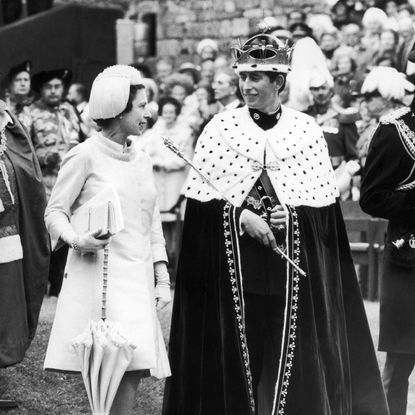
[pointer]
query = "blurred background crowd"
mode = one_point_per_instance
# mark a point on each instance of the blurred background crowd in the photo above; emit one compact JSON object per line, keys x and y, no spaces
{"x":349,"y":69}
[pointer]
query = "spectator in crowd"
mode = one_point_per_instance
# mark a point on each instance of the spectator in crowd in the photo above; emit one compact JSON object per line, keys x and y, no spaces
{"x":179,"y":87}
{"x":340,"y":14}
{"x":164,"y":68}
{"x":329,"y":41}
{"x":226,"y":88}
{"x":78,"y":97}
{"x":295,"y":16}
{"x":55,"y":130}
{"x":207,"y":104}
{"x":351,"y":34}
{"x":138,"y":282}
{"x":24,"y":243}
{"x":388,"y":192}
{"x":346,"y":79}
{"x":207,"y":49}
{"x":207,"y":71}
{"x":374,"y":21}
{"x":300,"y":30}
{"x":169,"y":170}
{"x":406,"y":29}
{"x":222,"y":62}
{"x":405,"y":10}
{"x":191,"y":71}
{"x":391,"y":9}
{"x":338,"y":127}
{"x":388,"y":45}
{"x":18,"y":93}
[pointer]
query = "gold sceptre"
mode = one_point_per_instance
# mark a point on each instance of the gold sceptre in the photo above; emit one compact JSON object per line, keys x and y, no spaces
{"x":170,"y":145}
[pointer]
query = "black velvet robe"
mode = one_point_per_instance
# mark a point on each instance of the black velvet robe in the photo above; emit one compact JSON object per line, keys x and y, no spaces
{"x":327,"y":364}
{"x":23,"y":282}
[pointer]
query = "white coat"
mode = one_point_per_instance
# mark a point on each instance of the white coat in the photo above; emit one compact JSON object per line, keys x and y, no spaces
{"x":85,"y":171}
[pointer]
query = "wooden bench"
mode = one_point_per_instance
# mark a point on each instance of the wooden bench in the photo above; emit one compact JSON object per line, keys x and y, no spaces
{"x":366,"y":237}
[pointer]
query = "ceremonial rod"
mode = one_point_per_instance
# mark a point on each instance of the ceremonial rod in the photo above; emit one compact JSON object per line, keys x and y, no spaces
{"x":170,"y":145}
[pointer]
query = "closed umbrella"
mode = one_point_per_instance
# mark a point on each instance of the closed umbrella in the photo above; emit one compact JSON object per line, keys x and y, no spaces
{"x":104,"y":354}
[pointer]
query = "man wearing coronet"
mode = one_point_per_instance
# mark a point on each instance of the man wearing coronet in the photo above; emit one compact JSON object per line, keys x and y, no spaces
{"x":250,"y":334}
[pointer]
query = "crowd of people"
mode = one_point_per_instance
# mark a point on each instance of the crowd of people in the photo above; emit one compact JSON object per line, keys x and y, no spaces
{"x":342,"y":74}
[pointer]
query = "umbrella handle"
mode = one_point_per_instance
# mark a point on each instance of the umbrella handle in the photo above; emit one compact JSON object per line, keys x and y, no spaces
{"x":104,"y":284}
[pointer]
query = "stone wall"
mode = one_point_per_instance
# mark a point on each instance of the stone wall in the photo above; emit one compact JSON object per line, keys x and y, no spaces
{"x":181,"y":24}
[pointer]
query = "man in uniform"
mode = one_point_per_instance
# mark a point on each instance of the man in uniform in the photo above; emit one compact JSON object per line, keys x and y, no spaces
{"x":251,"y":332}
{"x":54,"y":131}
{"x":388,"y":191}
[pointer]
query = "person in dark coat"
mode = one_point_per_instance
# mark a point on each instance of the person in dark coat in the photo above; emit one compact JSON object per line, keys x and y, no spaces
{"x":250,"y":333}
{"x":24,"y":242}
{"x":55,"y":130}
{"x":388,"y":191}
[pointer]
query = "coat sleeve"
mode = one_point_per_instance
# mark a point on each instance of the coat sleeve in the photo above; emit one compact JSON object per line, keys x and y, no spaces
{"x":158,"y":244}
{"x":71,"y":179}
{"x":387,"y":165}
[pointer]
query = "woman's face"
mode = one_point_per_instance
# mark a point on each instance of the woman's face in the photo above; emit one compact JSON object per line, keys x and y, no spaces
{"x":387,"y":40}
{"x":168,"y":113}
{"x":21,"y":84}
{"x":344,"y":65}
{"x":134,"y":122}
{"x":178,"y":92}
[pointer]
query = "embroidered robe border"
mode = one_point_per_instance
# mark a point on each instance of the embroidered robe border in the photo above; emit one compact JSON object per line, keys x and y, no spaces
{"x":288,"y":334}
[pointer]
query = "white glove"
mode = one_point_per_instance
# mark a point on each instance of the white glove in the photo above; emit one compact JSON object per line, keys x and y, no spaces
{"x":162,"y":290}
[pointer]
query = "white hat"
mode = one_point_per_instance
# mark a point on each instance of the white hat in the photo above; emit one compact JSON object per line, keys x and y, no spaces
{"x":206,"y":43}
{"x":110,"y":91}
{"x":386,"y":82}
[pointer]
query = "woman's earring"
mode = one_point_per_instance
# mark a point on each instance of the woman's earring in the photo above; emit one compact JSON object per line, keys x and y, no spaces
{"x":120,"y":117}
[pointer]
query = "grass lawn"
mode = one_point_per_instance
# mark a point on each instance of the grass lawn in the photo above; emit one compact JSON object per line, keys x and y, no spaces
{"x":41,"y":393}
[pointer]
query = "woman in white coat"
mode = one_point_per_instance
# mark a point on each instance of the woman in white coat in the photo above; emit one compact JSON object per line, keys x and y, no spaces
{"x":138,"y":282}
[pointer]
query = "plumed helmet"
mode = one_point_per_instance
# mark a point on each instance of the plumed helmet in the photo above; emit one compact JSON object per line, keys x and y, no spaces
{"x":262,"y":52}
{"x":386,"y":82}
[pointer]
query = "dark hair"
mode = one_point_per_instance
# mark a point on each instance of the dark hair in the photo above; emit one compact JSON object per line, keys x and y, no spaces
{"x":273,"y":77}
{"x":105,"y":123}
{"x":169,"y":100}
{"x":82,"y":90}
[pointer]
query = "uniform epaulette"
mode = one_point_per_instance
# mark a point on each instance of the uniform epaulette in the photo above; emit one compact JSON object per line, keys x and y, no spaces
{"x":394,"y":115}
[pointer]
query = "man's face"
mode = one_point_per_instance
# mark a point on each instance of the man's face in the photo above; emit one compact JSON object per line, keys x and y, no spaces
{"x":222,"y":87}
{"x":164,"y":69}
{"x":375,"y":106}
{"x":52,"y":92}
{"x":352,"y":35}
{"x":21,"y":84}
{"x":328,"y":42}
{"x":321,"y":94}
{"x":258,"y":91}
